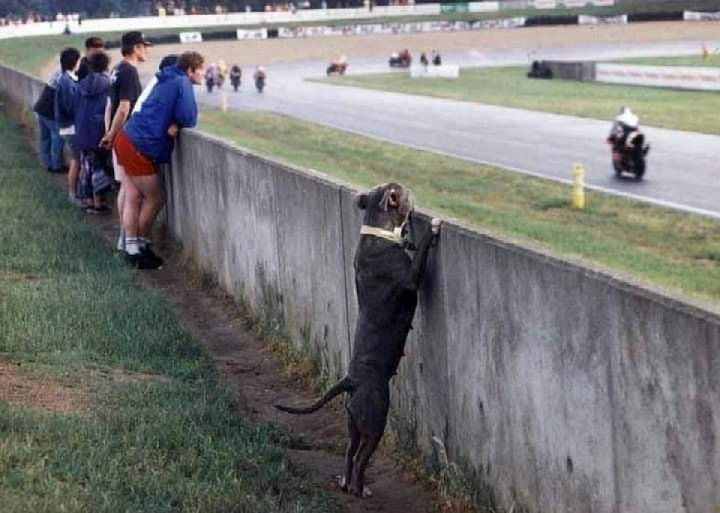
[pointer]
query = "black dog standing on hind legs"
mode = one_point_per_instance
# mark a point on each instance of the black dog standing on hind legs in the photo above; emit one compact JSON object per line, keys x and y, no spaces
{"x":386,"y":281}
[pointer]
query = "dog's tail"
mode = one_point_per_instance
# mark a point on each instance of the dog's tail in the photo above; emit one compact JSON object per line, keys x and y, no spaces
{"x":338,"y":388}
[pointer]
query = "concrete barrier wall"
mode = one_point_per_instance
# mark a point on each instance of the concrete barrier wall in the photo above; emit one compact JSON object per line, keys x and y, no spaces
{"x":567,"y":388}
{"x":569,"y":70}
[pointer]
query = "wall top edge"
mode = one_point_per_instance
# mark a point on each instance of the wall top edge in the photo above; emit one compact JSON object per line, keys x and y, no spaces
{"x":691,"y":306}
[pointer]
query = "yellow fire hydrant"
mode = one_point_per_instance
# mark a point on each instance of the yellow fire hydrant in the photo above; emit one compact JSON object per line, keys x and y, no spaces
{"x":578,"y":195}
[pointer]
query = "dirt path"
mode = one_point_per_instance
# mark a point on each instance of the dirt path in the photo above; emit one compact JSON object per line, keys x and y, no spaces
{"x":257,"y":379}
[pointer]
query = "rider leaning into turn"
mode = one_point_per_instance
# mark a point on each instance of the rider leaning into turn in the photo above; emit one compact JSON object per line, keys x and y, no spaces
{"x":625,"y":123}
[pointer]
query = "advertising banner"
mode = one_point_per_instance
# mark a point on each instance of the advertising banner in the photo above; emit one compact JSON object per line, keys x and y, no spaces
{"x":701,"y":16}
{"x":602,"y":20}
{"x":252,"y":34}
{"x":681,"y":77}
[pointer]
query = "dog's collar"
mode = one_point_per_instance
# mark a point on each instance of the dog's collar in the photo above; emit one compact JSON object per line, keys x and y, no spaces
{"x":393,"y":236}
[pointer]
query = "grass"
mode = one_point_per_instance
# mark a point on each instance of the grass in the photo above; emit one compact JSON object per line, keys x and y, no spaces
{"x":509,"y":86}
{"x":73,"y":316}
{"x":670,"y":249}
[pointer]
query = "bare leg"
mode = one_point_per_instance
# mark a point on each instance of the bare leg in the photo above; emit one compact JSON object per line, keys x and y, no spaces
{"x":73,"y":176}
{"x":131,"y":208}
{"x":151,"y":202}
{"x":121,"y":200}
{"x":367,"y":448}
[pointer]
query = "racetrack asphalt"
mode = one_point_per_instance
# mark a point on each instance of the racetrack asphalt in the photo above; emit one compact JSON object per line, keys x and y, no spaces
{"x":683,"y":167}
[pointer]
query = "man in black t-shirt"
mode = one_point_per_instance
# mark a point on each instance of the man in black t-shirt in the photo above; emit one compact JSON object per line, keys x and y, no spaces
{"x":92,"y":46}
{"x":124,"y":92}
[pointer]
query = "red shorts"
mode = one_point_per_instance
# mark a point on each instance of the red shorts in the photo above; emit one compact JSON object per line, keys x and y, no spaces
{"x":134,"y":162}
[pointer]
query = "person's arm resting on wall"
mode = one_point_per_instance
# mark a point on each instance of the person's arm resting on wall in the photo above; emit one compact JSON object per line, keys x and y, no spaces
{"x":186,"y":111}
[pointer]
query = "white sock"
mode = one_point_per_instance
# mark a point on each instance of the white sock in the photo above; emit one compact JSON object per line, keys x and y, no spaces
{"x":132,"y":246}
{"x":121,"y":240}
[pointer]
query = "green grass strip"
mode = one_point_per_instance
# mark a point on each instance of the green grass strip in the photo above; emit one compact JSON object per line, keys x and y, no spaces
{"x":667,"y":248}
{"x":72,"y":313}
{"x":695,"y":111}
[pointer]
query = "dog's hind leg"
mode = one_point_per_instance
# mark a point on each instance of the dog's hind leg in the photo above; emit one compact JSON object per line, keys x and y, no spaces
{"x":367,"y":447}
{"x":352,"y":448}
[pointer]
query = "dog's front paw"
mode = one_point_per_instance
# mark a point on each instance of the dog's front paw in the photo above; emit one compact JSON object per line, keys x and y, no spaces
{"x":435,"y":225}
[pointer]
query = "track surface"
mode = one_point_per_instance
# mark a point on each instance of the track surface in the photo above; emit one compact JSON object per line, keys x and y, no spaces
{"x":683,"y":169}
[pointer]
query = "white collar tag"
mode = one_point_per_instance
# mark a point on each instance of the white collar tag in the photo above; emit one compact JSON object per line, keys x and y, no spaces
{"x":393,"y":236}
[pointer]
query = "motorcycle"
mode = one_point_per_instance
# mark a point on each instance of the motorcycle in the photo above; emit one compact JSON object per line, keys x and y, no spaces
{"x":235,"y":82}
{"x":630,"y":155}
{"x":401,"y":60}
{"x":337,"y":68}
{"x":260,"y":83}
{"x":235,"y":75}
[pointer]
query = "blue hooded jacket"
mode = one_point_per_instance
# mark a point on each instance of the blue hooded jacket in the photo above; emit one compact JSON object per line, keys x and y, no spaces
{"x":65,"y":100}
{"x":172,"y":100}
{"x":90,"y":104}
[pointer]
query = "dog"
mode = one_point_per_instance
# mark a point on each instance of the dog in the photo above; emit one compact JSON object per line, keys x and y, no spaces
{"x":386,"y":282}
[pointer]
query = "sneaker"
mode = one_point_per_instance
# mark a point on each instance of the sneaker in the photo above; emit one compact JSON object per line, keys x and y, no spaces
{"x":139,"y":261}
{"x":120,"y":243}
{"x":150,"y":255}
{"x":76,"y":201}
{"x":97,"y":210}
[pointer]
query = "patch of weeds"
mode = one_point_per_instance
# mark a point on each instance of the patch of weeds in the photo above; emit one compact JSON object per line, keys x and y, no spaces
{"x":460,"y":488}
{"x":710,"y":255}
{"x":551,"y":203}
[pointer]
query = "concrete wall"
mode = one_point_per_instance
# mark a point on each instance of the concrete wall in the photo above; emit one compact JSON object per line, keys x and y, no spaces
{"x":570,"y":70}
{"x":569,"y":389}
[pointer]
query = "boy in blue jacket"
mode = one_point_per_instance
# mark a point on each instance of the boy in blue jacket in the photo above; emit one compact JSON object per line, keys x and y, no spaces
{"x":65,"y":92}
{"x":146,"y":141}
{"x":94,"y":181}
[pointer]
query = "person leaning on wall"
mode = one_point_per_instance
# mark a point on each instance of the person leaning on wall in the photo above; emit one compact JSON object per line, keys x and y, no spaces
{"x":147,"y":141}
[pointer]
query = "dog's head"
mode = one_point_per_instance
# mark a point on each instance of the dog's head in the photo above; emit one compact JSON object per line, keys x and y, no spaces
{"x":386,"y":206}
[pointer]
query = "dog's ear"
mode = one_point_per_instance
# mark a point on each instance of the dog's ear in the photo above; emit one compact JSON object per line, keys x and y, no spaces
{"x":391,"y":198}
{"x":361,"y":200}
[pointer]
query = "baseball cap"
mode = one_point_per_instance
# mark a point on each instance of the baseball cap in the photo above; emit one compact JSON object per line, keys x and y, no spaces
{"x":133,"y":38}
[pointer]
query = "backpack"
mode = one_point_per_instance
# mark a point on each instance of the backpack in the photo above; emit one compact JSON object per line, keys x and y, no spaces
{"x":45,"y":104}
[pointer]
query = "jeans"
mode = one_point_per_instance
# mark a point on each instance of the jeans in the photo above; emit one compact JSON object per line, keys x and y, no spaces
{"x":51,"y":144}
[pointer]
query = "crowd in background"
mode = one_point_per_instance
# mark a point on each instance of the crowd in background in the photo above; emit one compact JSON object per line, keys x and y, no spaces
{"x":117,"y":134}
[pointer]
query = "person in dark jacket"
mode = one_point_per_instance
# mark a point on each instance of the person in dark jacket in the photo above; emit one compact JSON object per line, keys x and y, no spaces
{"x":146,"y":141}
{"x":51,"y":144}
{"x":91,"y":101}
{"x":65,"y":114}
